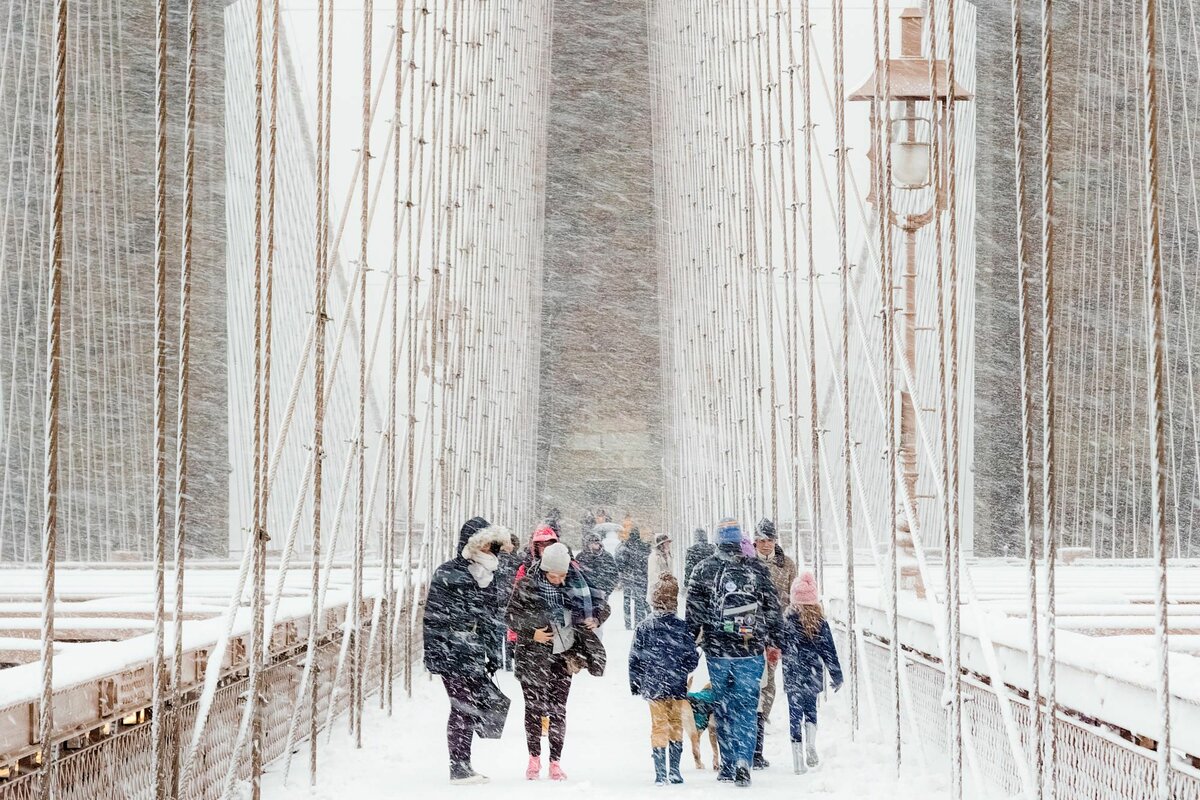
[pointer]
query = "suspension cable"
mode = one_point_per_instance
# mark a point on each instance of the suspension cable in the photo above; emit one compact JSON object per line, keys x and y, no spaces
{"x":53,"y":374}
{"x":1157,"y":363}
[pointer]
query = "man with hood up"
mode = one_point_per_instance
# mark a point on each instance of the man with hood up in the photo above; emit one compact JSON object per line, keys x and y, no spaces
{"x":633,"y":558}
{"x":462,"y":642}
{"x":700,"y":550}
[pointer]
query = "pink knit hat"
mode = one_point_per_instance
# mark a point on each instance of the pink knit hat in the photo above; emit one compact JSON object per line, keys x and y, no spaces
{"x":804,"y":590}
{"x":545,"y":534}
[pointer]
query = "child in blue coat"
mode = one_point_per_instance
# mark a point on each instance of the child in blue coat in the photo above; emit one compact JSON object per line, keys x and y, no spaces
{"x":662,"y":656}
{"x":808,"y":652}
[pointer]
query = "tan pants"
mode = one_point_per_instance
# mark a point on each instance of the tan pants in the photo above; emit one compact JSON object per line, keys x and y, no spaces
{"x":666,"y":723}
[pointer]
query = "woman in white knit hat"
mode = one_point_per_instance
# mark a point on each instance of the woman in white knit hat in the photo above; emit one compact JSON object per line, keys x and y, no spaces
{"x":545,"y":613}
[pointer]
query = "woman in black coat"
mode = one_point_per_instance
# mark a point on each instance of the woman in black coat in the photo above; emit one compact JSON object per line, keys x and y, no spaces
{"x":543,"y":613}
{"x":461,"y":637}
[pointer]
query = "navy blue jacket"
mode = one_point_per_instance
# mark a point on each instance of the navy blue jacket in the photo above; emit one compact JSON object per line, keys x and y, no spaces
{"x":661,"y":658}
{"x":460,"y":633}
{"x":805,"y":659}
{"x":703,"y":610}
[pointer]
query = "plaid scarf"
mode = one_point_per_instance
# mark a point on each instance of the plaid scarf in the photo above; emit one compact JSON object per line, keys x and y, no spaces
{"x":553,"y":596}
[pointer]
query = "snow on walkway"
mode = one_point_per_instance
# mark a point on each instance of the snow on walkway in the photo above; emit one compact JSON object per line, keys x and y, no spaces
{"x":607,"y":752}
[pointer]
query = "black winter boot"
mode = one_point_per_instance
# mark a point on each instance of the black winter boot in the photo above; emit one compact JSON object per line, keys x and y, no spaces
{"x":759,"y":761}
{"x":660,"y":766}
{"x":675,"y":754}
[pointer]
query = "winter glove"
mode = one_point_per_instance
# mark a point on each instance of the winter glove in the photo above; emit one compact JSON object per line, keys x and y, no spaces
{"x":773,"y":656}
{"x":837,"y":684}
{"x":634,"y":689}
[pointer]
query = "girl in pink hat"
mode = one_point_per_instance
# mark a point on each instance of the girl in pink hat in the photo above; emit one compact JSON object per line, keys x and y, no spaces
{"x":808,"y":653}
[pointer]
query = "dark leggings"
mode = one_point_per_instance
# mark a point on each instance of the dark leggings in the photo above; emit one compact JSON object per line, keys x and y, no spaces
{"x":460,"y":727}
{"x":546,"y":698}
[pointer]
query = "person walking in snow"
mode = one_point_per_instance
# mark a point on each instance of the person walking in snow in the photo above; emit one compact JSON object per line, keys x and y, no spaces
{"x":660,"y":561}
{"x":461,"y":638}
{"x":782,"y":571}
{"x":633,"y":558}
{"x":662,"y":656}
{"x":599,"y":568}
{"x":733,"y":610}
{"x":700,"y":550}
{"x":546,"y":616}
{"x":808,"y":653}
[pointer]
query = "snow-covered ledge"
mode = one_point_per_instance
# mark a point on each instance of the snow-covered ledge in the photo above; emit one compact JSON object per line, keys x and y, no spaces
{"x":1110,"y":681}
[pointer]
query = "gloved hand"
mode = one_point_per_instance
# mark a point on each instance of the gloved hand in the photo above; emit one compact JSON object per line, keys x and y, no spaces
{"x":837,"y":684}
{"x":773,"y":656}
{"x":634,"y":689}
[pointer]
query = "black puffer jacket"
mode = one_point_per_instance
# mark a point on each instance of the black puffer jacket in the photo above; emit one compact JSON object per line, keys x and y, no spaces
{"x":461,"y":636}
{"x":527,"y":612}
{"x":704,"y":605}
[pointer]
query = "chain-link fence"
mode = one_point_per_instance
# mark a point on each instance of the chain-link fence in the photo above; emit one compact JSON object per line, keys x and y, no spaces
{"x":1093,"y":762}
{"x":114,"y":763}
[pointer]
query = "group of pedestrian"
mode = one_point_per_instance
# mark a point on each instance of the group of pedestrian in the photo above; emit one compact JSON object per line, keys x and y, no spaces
{"x":539,"y":613}
{"x":747,"y":612}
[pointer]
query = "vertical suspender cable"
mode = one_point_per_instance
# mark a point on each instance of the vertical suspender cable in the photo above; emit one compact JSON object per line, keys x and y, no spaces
{"x":389,"y":560}
{"x":1049,"y":481}
{"x":1157,"y":364}
{"x":357,"y":671}
{"x":814,"y":412}
{"x":158,"y":681}
{"x":839,"y":65}
{"x":184,"y":375}
{"x":954,"y":552}
{"x":320,"y":317}
{"x":839,"y":107}
{"x":883,"y":188}
{"x":258,"y":532}
{"x":1025,"y":310}
{"x":58,"y":132}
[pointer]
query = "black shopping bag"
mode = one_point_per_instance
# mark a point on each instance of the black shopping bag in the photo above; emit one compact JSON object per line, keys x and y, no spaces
{"x":492,"y":709}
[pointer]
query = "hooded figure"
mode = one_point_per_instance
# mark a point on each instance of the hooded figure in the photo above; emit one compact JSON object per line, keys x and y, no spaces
{"x":633,"y":560}
{"x":700,"y":550}
{"x":462,"y":642}
{"x":599,"y":568}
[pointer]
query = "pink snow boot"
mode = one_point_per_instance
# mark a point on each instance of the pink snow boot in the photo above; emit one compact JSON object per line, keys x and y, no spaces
{"x":534,"y":770}
{"x":556,"y":772}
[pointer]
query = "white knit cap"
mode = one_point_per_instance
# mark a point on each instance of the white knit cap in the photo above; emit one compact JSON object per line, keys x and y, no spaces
{"x":556,"y":558}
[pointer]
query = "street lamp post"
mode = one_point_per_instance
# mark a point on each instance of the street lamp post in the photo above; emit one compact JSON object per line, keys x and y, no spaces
{"x":918,"y":191}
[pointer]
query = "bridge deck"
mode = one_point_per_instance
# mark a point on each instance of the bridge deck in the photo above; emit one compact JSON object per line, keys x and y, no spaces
{"x":607,"y":752}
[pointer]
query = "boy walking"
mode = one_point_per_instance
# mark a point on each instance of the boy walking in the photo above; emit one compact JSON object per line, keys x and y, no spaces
{"x":662,"y":656}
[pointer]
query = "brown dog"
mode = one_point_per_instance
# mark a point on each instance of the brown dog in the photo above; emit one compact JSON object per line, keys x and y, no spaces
{"x":693,"y":733}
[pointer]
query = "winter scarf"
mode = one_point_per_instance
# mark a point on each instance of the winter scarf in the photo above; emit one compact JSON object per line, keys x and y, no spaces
{"x":551,"y":595}
{"x":555,"y":598}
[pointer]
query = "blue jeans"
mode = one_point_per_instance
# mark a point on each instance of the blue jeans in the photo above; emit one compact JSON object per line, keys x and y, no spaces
{"x":735,"y":692}
{"x":802,"y":708}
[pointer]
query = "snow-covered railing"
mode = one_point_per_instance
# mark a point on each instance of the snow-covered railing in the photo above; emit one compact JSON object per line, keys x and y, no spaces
{"x":1107,"y":714}
{"x":102,"y":705}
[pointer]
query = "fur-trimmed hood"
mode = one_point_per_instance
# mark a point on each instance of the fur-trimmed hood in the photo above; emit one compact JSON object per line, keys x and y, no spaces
{"x":478,"y":551}
{"x":481,"y":542}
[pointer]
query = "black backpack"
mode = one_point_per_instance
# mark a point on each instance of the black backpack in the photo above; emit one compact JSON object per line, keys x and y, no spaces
{"x":736,"y":600}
